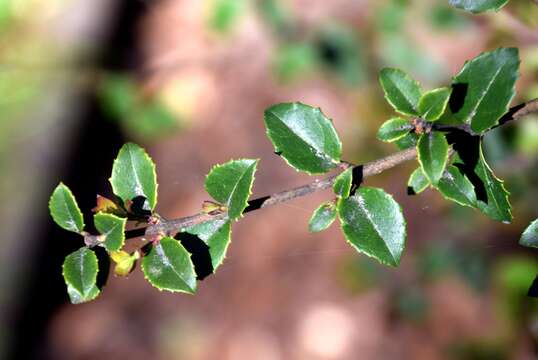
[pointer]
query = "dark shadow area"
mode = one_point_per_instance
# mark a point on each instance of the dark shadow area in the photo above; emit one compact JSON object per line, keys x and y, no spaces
{"x":410,"y":191}
{"x":468,"y":147}
{"x":255,"y":204}
{"x":457,"y":97}
{"x":509,"y":115}
{"x":139,"y":207}
{"x":357,"y":177}
{"x":104,"y":266}
{"x":87,"y":168}
{"x":200,"y":256}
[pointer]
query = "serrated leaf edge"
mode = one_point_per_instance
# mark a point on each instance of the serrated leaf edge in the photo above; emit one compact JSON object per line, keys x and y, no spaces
{"x":153,"y":168}
{"x":164,"y":288}
{"x":52,"y":212}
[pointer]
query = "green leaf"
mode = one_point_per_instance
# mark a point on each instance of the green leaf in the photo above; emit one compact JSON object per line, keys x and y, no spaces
{"x":408,"y":141}
{"x":418,"y":181}
{"x":487,"y":84}
{"x":168,"y":266}
{"x":530,"y":235}
{"x":432,"y":149}
{"x":374,"y":224}
{"x":231,"y":184}
{"x":394,"y":129}
{"x":497,"y":206}
{"x":133,"y":175}
{"x":304,"y":137}
{"x":342,"y":183}
{"x":433,"y":103}
{"x":80,"y":274}
{"x":113,"y":227}
{"x":478,"y":6}
{"x":456,"y":187}
{"x":217,"y":235}
{"x":64,"y":209}
{"x":322,"y":217}
{"x":401,"y":91}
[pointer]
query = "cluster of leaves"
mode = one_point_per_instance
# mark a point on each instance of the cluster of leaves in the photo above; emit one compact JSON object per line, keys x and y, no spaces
{"x":445,"y":125}
{"x":478,"y":6}
{"x":477,"y":98}
{"x":167,"y":264}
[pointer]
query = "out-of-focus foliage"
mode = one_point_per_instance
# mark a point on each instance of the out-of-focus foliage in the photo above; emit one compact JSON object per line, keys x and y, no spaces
{"x":140,"y":115}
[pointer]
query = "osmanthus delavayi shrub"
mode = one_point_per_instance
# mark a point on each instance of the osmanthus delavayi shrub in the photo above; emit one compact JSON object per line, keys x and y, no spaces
{"x":442,"y":128}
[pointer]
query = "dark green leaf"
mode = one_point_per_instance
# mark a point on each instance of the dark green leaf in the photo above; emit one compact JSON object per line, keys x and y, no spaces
{"x":374,"y":224}
{"x":487,"y":84}
{"x":530,"y":235}
{"x":168,"y":266}
{"x":80,"y":274}
{"x":456,"y":187}
{"x":217,"y":235}
{"x":418,"y":181}
{"x":231,"y":184}
{"x":322,"y":217}
{"x":478,"y":6}
{"x":408,"y":141}
{"x":401,"y":91}
{"x":113,"y":227}
{"x":64,"y":209}
{"x":433,"y":103}
{"x":394,"y":129}
{"x":304,"y":137}
{"x":432,"y":149}
{"x":133,"y":175}
{"x":497,"y":206}
{"x":342,"y":183}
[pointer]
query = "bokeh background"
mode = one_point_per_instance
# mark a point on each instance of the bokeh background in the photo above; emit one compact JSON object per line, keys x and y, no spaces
{"x":189,"y":80}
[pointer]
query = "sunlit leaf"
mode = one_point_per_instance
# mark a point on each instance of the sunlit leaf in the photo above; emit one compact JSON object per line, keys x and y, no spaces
{"x":432,"y":149}
{"x":418,"y":182}
{"x":374,"y":224}
{"x":342,"y":183}
{"x":322,"y":217}
{"x":80,"y":274}
{"x":530,"y":235}
{"x":113,"y":228}
{"x":168,"y":266}
{"x":497,"y":206}
{"x":231,"y":184}
{"x":217,"y":235}
{"x":64,"y":209}
{"x":433,"y":103}
{"x":401,"y":91}
{"x":304,"y":137}
{"x":133,"y":175}
{"x":478,"y":6}
{"x":486,"y":86}
{"x":455,"y":186}
{"x":394,"y":129}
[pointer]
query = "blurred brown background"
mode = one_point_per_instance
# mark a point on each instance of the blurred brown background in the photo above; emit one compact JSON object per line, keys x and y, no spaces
{"x":189,"y":80}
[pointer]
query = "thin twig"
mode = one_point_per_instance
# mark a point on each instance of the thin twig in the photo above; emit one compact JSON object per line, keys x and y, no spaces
{"x":170,"y":227}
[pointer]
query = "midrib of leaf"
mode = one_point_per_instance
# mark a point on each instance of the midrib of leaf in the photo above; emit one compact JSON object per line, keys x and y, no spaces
{"x":71,"y":221}
{"x":81,"y":254}
{"x":406,"y":98}
{"x":293,"y":131}
{"x":167,"y":262}
{"x":483,"y":95}
{"x":489,"y":173}
{"x":138,"y":188}
{"x":236,"y":184}
{"x":360,"y":202}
